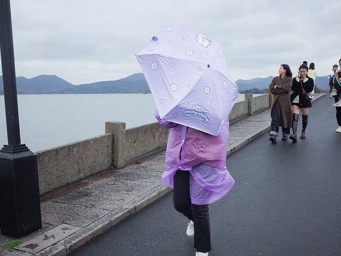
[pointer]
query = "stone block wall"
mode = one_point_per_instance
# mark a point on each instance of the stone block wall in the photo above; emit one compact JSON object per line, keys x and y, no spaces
{"x":60,"y":166}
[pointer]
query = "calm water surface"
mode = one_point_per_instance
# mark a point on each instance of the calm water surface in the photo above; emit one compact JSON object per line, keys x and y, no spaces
{"x":52,"y":120}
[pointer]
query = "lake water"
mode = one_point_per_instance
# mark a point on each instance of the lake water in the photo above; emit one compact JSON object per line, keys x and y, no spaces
{"x":52,"y":120}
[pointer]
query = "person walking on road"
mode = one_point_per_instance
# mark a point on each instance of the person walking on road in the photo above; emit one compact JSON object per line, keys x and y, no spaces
{"x":331,"y":80}
{"x":281,"y":113}
{"x":337,"y":86}
{"x":336,"y":96}
{"x":302,"y":86}
{"x":338,"y":117}
{"x":196,"y":169}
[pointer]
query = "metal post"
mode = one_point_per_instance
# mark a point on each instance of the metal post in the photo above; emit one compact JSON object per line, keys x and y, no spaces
{"x":10,"y":88}
{"x":19,"y":186}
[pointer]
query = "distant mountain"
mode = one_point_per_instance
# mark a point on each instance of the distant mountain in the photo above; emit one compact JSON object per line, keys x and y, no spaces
{"x":43,"y":84}
{"x":255,"y":83}
{"x":136,"y":83}
{"x":322,"y":82}
{"x":49,"y":84}
{"x":132,"y":84}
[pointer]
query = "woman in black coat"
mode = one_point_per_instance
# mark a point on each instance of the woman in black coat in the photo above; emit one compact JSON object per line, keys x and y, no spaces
{"x":302,"y":85}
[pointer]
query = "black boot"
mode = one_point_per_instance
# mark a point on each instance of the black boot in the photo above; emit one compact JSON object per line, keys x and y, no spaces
{"x":304,"y":125}
{"x":293,"y":136}
{"x":285,"y":137}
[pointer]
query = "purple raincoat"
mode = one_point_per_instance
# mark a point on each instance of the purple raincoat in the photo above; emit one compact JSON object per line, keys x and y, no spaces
{"x":204,"y":156}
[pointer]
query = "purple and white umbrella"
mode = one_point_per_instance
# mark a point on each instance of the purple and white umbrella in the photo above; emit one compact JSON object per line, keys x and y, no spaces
{"x":189,"y":78}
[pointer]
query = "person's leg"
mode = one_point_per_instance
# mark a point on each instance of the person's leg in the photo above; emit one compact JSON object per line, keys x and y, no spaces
{"x":337,"y":96}
{"x":295,"y":117}
{"x":286,"y":133}
{"x":202,"y":233}
{"x":304,"y":125}
{"x":338,"y":119}
{"x":181,"y":194}
{"x":274,"y":127}
{"x":274,"y":120}
{"x":305,"y":113}
{"x":338,"y":99}
{"x":330,"y":88}
{"x":198,"y":213}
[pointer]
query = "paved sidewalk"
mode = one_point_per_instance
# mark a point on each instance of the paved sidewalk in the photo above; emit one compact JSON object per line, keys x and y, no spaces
{"x":79,"y":212}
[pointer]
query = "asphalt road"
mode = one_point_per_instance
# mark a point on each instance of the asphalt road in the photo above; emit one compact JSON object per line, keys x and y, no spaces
{"x":286,"y":201}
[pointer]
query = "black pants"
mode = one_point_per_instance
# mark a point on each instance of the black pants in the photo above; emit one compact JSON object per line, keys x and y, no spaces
{"x":275,"y":120}
{"x":338,"y":112}
{"x":338,"y":116}
{"x":199,"y":214}
{"x":331,"y":88}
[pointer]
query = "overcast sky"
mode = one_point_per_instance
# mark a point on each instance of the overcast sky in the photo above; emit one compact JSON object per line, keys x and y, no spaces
{"x":86,"y":41}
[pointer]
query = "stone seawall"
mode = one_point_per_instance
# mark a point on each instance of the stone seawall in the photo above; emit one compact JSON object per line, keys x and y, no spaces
{"x":72,"y":162}
{"x":119,"y":146}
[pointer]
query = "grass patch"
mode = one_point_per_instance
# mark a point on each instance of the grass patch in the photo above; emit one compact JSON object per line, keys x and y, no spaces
{"x":12,"y":244}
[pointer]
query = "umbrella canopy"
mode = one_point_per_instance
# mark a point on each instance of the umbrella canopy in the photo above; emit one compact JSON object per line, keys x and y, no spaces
{"x":189,"y":78}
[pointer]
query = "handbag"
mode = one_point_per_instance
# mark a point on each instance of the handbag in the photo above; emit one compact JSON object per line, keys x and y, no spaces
{"x":308,"y":95}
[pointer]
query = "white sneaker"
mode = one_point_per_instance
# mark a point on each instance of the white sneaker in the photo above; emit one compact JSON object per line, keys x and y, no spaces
{"x":201,"y":254}
{"x":338,"y":129}
{"x":190,"y":229}
{"x":337,"y":104}
{"x":333,"y":94}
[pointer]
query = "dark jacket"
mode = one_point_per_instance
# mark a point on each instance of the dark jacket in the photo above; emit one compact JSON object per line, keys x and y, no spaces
{"x":298,"y":97}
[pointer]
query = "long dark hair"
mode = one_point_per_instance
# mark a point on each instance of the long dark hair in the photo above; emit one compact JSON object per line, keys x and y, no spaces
{"x":312,"y":66}
{"x":288,"y":72}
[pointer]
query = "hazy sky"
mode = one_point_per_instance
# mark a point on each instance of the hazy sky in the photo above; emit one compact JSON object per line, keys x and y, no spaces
{"x":86,"y":41}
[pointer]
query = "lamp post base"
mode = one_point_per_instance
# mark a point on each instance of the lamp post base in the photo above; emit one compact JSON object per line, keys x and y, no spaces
{"x":20,"y":212}
{"x":14,"y":149}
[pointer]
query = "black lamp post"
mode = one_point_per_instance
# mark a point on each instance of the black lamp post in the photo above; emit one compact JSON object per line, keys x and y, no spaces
{"x":20,"y":212}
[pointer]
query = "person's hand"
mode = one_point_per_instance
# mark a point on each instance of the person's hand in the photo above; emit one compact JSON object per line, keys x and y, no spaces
{"x":298,"y":76}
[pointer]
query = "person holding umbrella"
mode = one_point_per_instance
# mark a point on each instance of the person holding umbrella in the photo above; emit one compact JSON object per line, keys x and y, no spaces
{"x":196,"y":169}
{"x":302,"y":86}
{"x":194,"y":93}
{"x":281,"y":114}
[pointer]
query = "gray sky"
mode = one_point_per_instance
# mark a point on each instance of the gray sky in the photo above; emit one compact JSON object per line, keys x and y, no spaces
{"x":86,"y":41}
